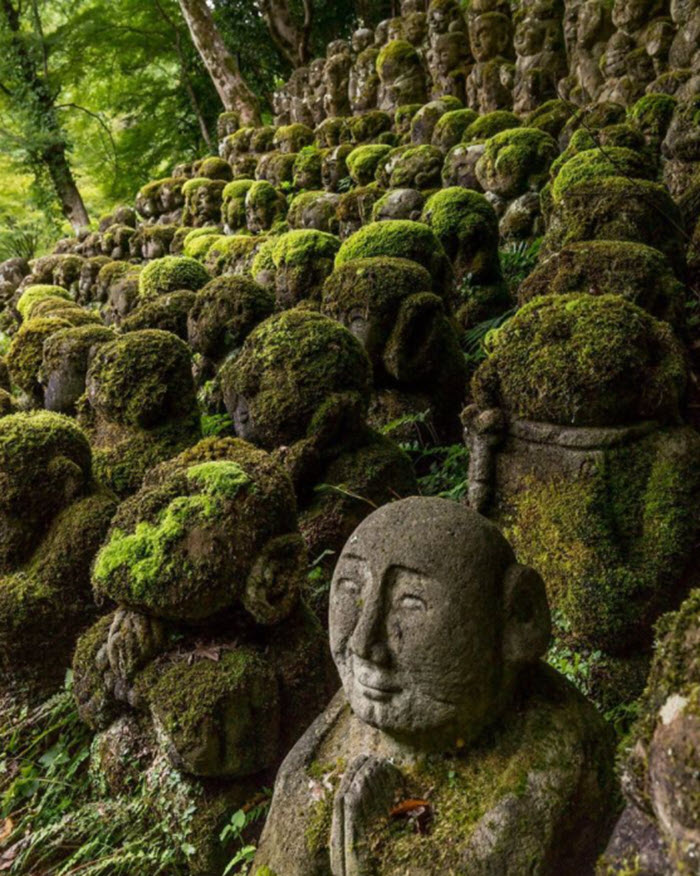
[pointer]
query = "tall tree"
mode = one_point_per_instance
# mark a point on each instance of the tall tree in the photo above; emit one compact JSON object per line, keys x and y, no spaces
{"x":292,"y":37}
{"x":29,"y":96}
{"x":234,"y":91}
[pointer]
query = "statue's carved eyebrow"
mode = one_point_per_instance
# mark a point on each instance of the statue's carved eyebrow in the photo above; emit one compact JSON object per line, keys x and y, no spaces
{"x":353,"y":558}
{"x":393,"y":570}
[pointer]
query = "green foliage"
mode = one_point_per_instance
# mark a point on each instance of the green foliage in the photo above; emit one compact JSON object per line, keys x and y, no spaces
{"x":57,"y":827}
{"x":239,"y":828}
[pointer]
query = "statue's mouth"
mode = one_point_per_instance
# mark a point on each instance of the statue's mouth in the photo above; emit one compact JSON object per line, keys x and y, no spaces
{"x":378,"y":689}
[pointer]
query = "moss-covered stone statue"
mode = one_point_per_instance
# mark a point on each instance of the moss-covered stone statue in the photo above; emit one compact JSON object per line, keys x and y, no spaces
{"x":658,"y":831}
{"x":577,"y":450}
{"x":139,"y":407}
{"x":209,"y":660}
{"x":407,"y":333}
{"x":53,"y":518}
{"x":451,"y":748}
{"x":301,"y":388}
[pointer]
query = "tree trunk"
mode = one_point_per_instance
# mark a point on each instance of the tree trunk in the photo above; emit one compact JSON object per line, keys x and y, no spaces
{"x":291,"y":39}
{"x":54,"y":157}
{"x":64,"y":184}
{"x":232,"y":88}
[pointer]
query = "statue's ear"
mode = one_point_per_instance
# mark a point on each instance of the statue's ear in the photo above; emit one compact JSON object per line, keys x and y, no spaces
{"x":412,"y":347}
{"x":274,"y":582}
{"x":68,"y":476}
{"x":527,"y":623}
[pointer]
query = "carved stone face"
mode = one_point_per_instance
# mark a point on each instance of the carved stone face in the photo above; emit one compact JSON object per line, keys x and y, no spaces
{"x":442,"y":17}
{"x":630,"y":15}
{"x":415,"y":28}
{"x":416,"y":621}
{"x":490,"y":36}
{"x":615,"y":57}
{"x":529,"y":37}
{"x":362,"y":39}
{"x":449,"y":52}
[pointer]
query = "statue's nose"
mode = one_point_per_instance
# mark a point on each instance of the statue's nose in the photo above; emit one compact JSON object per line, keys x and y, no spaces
{"x":369,"y":640}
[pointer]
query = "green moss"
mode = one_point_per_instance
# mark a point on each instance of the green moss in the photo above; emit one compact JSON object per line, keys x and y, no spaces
{"x":451,"y":126}
{"x":215,"y":168}
{"x":263,"y":196}
{"x":396,"y":54}
{"x":515,"y":161}
{"x":594,"y":164}
{"x":96,"y":704}
{"x":638,"y":273}
{"x":32,"y":295}
{"x":398,"y":239}
{"x":45,"y":604}
{"x":166,"y":313}
{"x":363,"y":162}
{"x":289,"y":367}
{"x":414,"y":167}
{"x":142,"y":378}
{"x":264,"y":261}
{"x":332,"y":132}
{"x":489,"y":125}
{"x":237,"y":693}
{"x":370,"y":125}
{"x":230,"y":253}
{"x":612,"y":545}
{"x":304,"y":246}
{"x":652,"y":114}
{"x":307,"y":168}
{"x":463,"y":218}
{"x":171,"y":274}
{"x":404,"y":115}
{"x":582,"y":360}
{"x":26,"y":350}
{"x":551,"y":117}
{"x":292,"y":138}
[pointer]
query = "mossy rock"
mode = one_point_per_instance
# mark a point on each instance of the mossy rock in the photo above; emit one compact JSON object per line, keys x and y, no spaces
{"x":369,"y":126}
{"x":170,"y":274}
{"x":47,"y":603}
{"x":265,"y":206}
{"x":219,"y":719}
{"x":399,"y":239}
{"x":231,"y":254}
{"x":332,"y":132}
{"x":141,"y":379}
{"x":467,"y":227}
{"x":290,"y":366}
{"x":592,"y":118}
{"x":215,"y":168}
{"x":416,"y":167}
{"x":616,"y":208}
{"x":95,"y":699}
{"x":551,"y":117}
{"x":597,"y":164}
{"x":293,"y":138}
{"x":233,"y":206}
{"x":363,"y":162}
{"x":166,"y":313}
{"x":224,"y":313}
{"x":32,"y":295}
{"x":637,"y":272}
{"x":614,"y":544}
{"x":516,"y":161}
{"x":307,"y":168}
{"x":652,"y":114}
{"x":489,"y":125}
{"x":213,"y":529}
{"x":424,"y":121}
{"x":450,"y":128}
{"x":583,"y":360}
{"x":25,"y":354}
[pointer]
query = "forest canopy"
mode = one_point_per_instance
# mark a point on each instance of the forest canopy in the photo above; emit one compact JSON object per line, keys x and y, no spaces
{"x":98,"y":97}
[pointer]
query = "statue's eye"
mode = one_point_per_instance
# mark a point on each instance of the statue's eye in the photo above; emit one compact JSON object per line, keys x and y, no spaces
{"x":410,"y":602}
{"x":350,"y":586}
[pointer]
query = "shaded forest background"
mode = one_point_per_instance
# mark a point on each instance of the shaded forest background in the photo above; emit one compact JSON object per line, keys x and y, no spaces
{"x":118,"y":88}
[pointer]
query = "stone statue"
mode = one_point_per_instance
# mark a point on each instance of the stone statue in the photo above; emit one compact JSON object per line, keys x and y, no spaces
{"x":402,"y":76}
{"x":363,"y":83}
{"x":336,"y":79}
{"x":449,"y":65}
{"x":490,"y":83}
{"x":437,"y":632}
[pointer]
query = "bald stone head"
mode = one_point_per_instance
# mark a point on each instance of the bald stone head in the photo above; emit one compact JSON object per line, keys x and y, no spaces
{"x":431,"y":619}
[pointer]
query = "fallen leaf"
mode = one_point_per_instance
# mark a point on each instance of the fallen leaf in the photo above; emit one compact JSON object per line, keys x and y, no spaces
{"x":6,"y":829}
{"x":418,"y":813}
{"x":407,"y":806}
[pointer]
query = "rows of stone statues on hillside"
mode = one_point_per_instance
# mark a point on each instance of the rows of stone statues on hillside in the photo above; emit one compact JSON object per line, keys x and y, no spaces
{"x":491,"y":58}
{"x":309,"y":325}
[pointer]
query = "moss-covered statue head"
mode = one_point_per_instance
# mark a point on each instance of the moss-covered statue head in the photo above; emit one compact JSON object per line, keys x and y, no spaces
{"x":211,"y":530}
{"x":291,"y":367}
{"x":583,"y":360}
{"x":387,"y":304}
{"x":224,"y":313}
{"x":143,"y":379}
{"x":45,"y":463}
